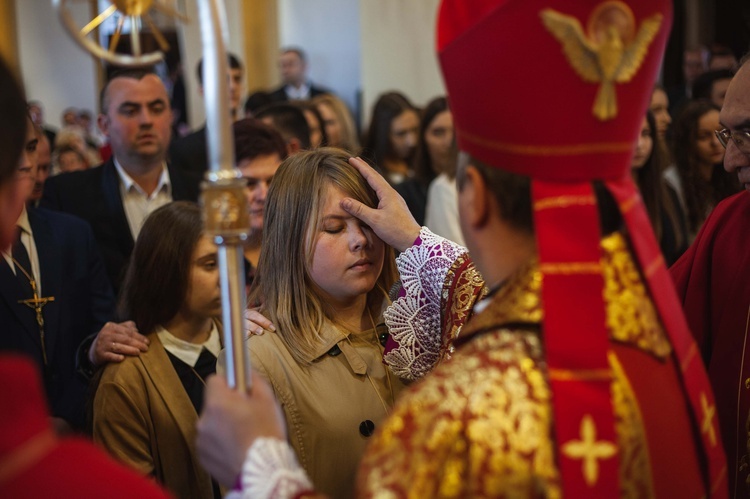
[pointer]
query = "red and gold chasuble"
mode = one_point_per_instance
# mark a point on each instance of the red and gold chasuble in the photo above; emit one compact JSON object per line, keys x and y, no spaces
{"x":481,"y":424}
{"x":588,"y":72}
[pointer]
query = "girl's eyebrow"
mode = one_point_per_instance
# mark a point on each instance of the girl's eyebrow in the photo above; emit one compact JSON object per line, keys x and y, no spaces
{"x":336,"y":217}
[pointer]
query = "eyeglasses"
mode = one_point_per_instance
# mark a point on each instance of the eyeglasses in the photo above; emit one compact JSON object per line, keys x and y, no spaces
{"x":741,"y":139}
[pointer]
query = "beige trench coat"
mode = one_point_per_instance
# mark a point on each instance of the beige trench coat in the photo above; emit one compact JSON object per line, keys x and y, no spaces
{"x":326,"y":403}
{"x":144,"y":418}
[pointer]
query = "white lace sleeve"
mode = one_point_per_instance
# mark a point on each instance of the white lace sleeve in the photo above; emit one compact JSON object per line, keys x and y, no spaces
{"x":413,"y":320}
{"x":271,"y":471}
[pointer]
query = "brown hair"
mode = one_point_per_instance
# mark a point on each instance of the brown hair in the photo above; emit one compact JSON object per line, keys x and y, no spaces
{"x":13,"y":115}
{"x":156,"y":281}
{"x":512,"y":193}
{"x":650,"y":180}
{"x":700,"y":196}
{"x":283,"y":281}
{"x":253,"y":138}
{"x":349,"y":140}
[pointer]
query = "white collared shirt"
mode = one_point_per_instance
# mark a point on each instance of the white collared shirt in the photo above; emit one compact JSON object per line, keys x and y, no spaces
{"x":27,"y":239}
{"x":186,"y":351}
{"x":301,"y":93}
{"x":137,"y":204}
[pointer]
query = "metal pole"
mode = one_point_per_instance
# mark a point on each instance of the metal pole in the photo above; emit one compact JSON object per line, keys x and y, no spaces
{"x":223,"y":197}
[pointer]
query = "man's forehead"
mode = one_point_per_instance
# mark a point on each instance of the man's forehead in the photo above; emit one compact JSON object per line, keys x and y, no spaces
{"x":146,"y":89}
{"x":291,"y":56}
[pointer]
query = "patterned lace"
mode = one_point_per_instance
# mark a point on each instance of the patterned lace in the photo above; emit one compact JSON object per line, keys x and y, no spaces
{"x":414,"y":319}
{"x":270,"y":471}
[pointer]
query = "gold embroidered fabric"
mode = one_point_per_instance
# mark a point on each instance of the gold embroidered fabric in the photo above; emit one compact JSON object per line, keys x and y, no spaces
{"x":631,"y":316}
{"x":465,"y":285}
{"x":480,"y":425}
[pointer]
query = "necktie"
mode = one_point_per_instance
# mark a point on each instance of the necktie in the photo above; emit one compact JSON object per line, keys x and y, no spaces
{"x":21,"y":256}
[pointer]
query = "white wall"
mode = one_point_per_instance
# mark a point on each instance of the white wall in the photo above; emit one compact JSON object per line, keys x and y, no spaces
{"x":54,"y":69}
{"x":192,"y":51}
{"x":329,"y":32}
{"x":398,"y":50}
{"x":368,"y":45}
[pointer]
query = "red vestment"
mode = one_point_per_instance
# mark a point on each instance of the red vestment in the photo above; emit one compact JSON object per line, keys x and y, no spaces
{"x":34,"y":462}
{"x":480,"y":425}
{"x":713,"y":282}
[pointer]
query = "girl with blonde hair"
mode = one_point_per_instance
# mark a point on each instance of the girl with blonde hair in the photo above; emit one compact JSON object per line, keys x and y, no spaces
{"x":338,"y":123}
{"x":323,"y":279}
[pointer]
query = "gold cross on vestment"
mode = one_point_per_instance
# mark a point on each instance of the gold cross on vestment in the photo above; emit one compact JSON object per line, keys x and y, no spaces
{"x":709,"y":412}
{"x":36,"y":303}
{"x":589,"y":450}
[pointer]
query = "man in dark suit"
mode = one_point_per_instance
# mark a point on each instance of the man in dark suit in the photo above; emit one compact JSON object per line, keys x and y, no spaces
{"x":29,"y":449}
{"x":296,"y":86}
{"x":116,"y":197}
{"x":54,"y":292}
{"x":189,"y":153}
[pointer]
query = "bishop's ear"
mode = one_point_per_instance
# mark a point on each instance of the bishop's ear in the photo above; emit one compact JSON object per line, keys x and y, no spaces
{"x":473,"y":198}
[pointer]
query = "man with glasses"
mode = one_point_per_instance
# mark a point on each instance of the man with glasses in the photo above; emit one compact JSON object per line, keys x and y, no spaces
{"x":54,"y":292}
{"x":713,"y":282}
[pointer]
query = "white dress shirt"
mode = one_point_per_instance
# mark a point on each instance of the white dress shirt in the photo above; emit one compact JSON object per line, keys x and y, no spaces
{"x":137,"y":204}
{"x":186,"y":351}
{"x":301,"y":93}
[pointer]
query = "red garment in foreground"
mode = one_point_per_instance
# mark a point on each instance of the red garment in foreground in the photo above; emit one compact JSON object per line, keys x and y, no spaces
{"x":713,"y":283}
{"x":34,"y":462}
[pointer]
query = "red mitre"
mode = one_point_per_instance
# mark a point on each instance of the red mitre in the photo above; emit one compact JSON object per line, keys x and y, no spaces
{"x":524,"y":79}
{"x":557,"y":90}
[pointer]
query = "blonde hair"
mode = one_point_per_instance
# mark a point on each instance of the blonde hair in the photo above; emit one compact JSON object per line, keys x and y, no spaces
{"x":283,"y":283}
{"x":349,"y":140}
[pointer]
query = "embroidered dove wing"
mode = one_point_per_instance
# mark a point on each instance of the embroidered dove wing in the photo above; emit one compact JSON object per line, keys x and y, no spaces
{"x":633,"y":56}
{"x":577,"y":49}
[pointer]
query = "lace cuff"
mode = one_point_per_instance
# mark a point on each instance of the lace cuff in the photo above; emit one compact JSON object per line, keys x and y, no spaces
{"x":413,"y":319}
{"x":271,"y":471}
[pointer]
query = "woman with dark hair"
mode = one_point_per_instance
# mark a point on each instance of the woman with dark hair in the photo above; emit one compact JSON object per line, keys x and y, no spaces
{"x":146,"y":407}
{"x":662,"y":204}
{"x":698,"y":155}
{"x":435,"y":155}
{"x":392,"y":136}
{"x":318,"y":137}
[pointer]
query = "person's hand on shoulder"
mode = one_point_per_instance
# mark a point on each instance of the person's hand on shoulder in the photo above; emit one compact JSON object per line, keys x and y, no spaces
{"x":115,"y":341}
{"x":256,"y":323}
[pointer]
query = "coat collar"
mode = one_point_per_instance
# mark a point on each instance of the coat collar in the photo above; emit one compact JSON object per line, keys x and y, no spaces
{"x":167,"y":383}
{"x":332,"y":336}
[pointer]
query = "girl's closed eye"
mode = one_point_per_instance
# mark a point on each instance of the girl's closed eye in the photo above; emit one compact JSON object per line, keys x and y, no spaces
{"x":333,"y":229}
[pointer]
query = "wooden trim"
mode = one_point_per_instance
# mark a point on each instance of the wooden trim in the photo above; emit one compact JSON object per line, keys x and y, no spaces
{"x":8,"y":35}
{"x":261,"y":43}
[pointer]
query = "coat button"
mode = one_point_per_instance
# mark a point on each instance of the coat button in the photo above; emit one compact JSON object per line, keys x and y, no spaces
{"x":747,"y":383}
{"x":367,"y":428}
{"x":383,"y":338}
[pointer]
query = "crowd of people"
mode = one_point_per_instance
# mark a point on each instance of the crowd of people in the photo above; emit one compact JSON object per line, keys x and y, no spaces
{"x":465,"y":299}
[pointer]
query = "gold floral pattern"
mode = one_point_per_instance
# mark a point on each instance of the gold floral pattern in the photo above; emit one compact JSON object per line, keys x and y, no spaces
{"x":481,"y":424}
{"x":466,"y":286}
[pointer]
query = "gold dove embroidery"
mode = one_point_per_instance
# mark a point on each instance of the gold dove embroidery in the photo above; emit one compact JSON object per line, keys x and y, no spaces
{"x":609,"y":54}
